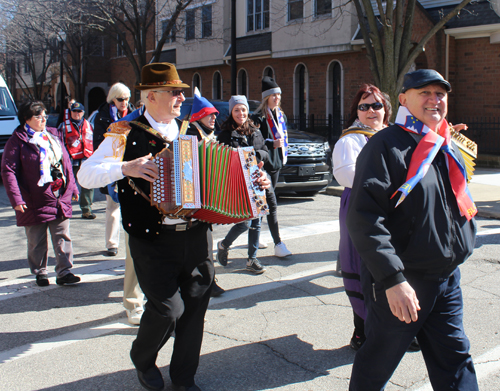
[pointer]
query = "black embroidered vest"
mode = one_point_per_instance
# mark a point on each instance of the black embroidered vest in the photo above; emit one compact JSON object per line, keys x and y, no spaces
{"x":139,"y":218}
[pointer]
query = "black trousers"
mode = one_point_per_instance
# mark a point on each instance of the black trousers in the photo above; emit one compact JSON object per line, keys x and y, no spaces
{"x":175,"y":273}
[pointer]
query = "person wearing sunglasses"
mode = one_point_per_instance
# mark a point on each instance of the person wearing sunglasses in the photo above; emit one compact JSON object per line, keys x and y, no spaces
{"x":173,"y":258}
{"x":76,"y":132}
{"x":116,"y":108}
{"x":370,"y":112}
{"x":38,"y":178}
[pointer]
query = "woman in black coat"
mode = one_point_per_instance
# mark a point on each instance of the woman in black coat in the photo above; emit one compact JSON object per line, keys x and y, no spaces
{"x":239,"y":131}
{"x":272,"y":123}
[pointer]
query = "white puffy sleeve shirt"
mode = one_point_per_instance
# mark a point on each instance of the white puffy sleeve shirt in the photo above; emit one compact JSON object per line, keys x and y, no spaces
{"x":344,"y":156}
{"x":105,"y":164}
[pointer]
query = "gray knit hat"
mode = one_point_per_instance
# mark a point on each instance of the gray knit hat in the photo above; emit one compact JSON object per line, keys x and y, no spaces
{"x":269,"y":87}
{"x":236,"y":100}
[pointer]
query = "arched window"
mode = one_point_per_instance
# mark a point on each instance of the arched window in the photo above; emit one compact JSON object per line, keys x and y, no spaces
{"x":334,"y":92}
{"x":96,"y":97}
{"x":242,"y":82}
{"x":269,"y":72}
{"x":217,"y":86}
{"x":196,"y":82}
{"x":301,"y":95}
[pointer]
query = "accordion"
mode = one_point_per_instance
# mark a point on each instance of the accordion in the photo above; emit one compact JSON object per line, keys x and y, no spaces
{"x":468,"y":149}
{"x":208,"y":181}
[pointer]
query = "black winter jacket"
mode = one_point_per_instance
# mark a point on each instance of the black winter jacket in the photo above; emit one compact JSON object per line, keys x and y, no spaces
{"x":425,"y":235}
{"x":102,"y":121}
{"x":255,"y":140}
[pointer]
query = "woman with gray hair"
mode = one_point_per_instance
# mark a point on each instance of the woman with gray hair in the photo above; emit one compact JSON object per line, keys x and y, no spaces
{"x":117,"y":106}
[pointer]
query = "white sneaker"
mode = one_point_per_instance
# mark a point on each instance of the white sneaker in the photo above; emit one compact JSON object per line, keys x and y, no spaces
{"x":134,"y":316}
{"x":262,"y":245}
{"x":281,"y":251}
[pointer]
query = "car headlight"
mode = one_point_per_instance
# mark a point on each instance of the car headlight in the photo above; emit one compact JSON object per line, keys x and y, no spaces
{"x":326,"y":145}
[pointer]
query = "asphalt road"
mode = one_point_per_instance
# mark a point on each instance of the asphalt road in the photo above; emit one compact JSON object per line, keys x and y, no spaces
{"x":287,"y":329}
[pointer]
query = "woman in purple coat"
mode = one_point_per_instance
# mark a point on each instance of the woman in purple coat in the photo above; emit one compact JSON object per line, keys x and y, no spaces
{"x":38,"y":178}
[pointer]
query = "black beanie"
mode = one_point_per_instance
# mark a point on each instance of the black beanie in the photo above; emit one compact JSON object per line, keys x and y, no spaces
{"x":269,"y":87}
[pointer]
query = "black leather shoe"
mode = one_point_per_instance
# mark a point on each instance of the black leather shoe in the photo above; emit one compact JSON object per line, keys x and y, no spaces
{"x":69,"y":278}
{"x":42,"y":280}
{"x":151,"y":379}
{"x":216,"y":290}
{"x":194,"y":387}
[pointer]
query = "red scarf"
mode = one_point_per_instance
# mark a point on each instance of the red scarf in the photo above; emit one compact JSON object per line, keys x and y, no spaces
{"x":424,"y":154}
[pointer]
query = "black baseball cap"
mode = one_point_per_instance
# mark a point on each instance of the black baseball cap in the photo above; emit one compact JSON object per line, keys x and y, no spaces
{"x":424,"y":77}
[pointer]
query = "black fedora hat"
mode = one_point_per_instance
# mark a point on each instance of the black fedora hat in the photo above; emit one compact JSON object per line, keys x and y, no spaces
{"x":424,"y":77}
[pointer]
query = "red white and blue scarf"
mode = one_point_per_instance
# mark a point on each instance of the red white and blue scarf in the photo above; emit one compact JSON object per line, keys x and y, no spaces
{"x":41,"y":140}
{"x":115,"y":115}
{"x":278,"y":130}
{"x":427,"y":149}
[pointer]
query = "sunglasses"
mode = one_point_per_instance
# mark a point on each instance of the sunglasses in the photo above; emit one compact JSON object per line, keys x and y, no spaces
{"x":122,"y":99}
{"x":173,"y":92}
{"x":366,"y":106}
{"x":41,"y":117}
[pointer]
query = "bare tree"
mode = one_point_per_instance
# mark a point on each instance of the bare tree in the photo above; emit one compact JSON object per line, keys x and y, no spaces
{"x":28,"y":54}
{"x":131,"y":22}
{"x":387,"y":31}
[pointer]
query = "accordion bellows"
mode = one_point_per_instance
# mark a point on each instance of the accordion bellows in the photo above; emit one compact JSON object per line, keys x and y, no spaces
{"x":468,"y":148}
{"x":208,"y":181}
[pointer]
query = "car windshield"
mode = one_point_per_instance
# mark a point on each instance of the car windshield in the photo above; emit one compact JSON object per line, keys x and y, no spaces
{"x":7,"y":107}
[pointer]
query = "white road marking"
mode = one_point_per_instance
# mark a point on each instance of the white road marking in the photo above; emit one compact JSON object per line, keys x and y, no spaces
{"x":60,"y":341}
{"x":484,"y":365}
{"x":106,"y":270}
{"x":288,"y":233}
{"x":491,"y":231}
{"x":92,"y":332}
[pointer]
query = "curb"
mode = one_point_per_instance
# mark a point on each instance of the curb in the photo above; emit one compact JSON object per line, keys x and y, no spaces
{"x":481,"y":212}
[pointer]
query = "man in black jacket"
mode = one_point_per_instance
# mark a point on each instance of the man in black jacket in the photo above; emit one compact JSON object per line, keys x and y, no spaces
{"x":411,"y":219}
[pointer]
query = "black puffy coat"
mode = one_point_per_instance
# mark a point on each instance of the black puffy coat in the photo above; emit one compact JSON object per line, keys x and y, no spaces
{"x":102,"y":121}
{"x":425,"y":235}
{"x":255,"y":139}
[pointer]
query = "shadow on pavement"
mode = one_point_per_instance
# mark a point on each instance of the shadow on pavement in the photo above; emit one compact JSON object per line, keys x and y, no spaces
{"x":262,"y":365}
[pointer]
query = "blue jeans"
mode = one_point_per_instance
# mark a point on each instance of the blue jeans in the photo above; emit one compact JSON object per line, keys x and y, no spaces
{"x":253,"y":227}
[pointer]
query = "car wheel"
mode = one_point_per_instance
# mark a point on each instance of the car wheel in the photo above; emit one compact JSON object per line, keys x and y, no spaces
{"x":306,"y":193}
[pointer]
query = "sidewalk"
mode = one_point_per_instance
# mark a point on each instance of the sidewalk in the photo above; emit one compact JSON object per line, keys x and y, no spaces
{"x":484,"y":187}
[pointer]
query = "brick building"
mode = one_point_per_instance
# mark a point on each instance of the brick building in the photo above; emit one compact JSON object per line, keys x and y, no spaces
{"x":320,"y":61}
{"x":316,"y":55}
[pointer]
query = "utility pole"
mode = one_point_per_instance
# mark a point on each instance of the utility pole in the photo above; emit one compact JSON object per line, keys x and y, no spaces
{"x":233,"y":47}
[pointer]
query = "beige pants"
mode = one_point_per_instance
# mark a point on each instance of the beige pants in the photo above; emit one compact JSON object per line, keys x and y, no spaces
{"x":132,"y":293}
{"x":113,"y":223}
